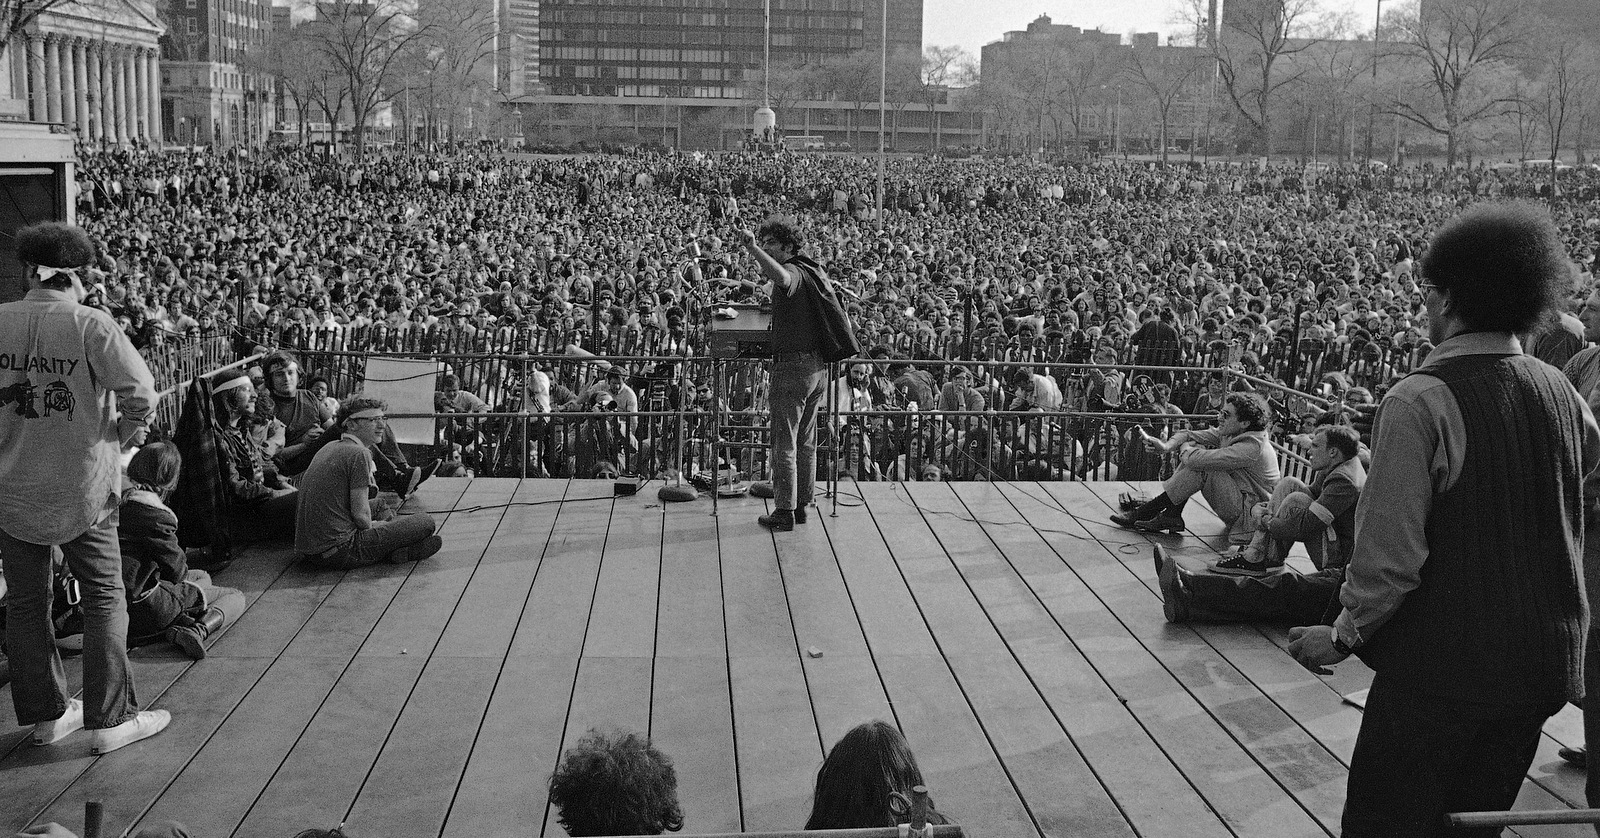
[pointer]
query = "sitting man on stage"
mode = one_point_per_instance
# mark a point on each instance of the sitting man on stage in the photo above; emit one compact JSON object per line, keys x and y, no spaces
{"x":1233,"y":466}
{"x":1323,"y":515}
{"x":334,"y":528}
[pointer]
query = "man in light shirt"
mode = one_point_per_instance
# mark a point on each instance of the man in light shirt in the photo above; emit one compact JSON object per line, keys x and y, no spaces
{"x":73,"y":395}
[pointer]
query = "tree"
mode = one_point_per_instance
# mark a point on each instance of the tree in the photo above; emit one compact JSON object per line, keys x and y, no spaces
{"x":942,"y":68}
{"x":455,"y":45}
{"x":1459,"y":45}
{"x":1164,"y":74}
{"x":360,"y":43}
{"x":1255,"y":38}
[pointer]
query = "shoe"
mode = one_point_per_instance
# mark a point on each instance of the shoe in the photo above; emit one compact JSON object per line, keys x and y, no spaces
{"x":800,"y":515}
{"x":191,"y":638}
{"x":1239,"y":564}
{"x":1173,"y":596}
{"x":145,"y":724}
{"x":417,"y":552}
{"x":55,"y":730}
{"x":781,"y":520}
{"x":428,"y":471}
{"x":1127,"y":519}
{"x":1578,"y":756}
{"x":412,"y":482}
{"x":1165,"y":521}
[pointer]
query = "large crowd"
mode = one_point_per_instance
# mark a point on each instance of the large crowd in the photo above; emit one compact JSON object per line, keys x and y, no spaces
{"x":1301,"y":279}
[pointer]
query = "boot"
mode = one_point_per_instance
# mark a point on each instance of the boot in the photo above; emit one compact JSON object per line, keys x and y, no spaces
{"x":190,"y":633}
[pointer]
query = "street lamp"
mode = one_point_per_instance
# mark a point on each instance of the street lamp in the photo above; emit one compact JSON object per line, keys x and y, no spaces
{"x":516,"y":121}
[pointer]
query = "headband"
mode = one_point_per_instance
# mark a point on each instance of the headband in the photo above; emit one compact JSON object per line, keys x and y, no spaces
{"x":48,"y":273}
{"x":367,"y":413}
{"x":232,"y":384}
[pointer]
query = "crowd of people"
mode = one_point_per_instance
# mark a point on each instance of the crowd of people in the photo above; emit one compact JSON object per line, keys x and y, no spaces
{"x":1276,"y":273}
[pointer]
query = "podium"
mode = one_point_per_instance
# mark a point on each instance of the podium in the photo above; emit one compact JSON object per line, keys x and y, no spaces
{"x":747,"y":335}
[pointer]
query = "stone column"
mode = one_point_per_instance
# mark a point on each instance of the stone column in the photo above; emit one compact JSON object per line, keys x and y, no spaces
{"x":130,"y":100}
{"x":152,"y":67}
{"x":37,"y":111}
{"x":80,"y":86}
{"x":108,"y":101}
{"x":141,"y":96}
{"x":119,"y":92}
{"x":93,"y":125}
{"x":52,"y":78}
{"x":69,"y":85}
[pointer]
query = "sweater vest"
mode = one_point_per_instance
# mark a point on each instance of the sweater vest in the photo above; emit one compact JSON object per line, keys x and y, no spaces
{"x":1500,"y":614}
{"x":794,"y":316}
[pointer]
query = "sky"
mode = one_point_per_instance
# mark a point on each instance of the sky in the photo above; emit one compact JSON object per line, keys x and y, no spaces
{"x":972,"y":23}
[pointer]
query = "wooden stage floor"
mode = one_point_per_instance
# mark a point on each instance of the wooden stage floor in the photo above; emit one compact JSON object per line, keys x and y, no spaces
{"x":1013,"y":634}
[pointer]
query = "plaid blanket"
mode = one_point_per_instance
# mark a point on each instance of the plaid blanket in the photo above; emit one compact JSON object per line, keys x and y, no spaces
{"x":201,"y":501}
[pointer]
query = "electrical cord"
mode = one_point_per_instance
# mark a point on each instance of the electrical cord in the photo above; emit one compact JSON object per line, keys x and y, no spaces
{"x":509,"y":504}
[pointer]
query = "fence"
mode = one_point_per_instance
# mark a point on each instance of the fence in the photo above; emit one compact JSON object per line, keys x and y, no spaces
{"x":672,"y":429}
{"x":1368,"y":365}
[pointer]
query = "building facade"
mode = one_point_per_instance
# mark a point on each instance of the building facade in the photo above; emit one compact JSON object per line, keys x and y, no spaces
{"x":213,"y":94}
{"x":91,"y":66}
{"x":699,"y":49}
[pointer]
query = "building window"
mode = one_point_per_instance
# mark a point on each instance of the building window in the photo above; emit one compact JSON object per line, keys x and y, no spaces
{"x":189,"y":4}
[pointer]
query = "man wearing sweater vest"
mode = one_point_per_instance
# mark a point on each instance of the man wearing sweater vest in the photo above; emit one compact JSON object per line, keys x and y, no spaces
{"x":1465,"y":590}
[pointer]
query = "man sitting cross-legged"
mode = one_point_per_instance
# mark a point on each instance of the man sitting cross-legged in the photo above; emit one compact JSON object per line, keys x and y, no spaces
{"x":1233,"y":466}
{"x":1323,"y":515}
{"x":335,"y":528}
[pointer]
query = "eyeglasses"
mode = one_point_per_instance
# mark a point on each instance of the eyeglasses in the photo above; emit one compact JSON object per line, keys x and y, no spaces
{"x":1425,"y":287}
{"x":370,"y":419}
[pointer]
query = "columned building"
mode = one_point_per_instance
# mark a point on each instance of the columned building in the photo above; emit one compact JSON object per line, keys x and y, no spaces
{"x":214,"y":95}
{"x":92,"y":68}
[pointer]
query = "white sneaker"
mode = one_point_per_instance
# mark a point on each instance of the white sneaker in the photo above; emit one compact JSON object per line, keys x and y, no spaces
{"x":146,"y":724}
{"x":55,"y":730}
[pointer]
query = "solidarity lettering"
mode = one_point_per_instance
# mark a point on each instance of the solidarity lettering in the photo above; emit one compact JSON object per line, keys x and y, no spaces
{"x":37,"y":363}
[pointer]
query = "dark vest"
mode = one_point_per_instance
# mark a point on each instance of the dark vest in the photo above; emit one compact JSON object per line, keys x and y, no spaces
{"x":794,"y":316}
{"x":1500,"y":613}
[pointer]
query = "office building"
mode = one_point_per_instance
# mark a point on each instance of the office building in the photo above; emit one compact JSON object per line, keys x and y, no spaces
{"x":211,"y":95}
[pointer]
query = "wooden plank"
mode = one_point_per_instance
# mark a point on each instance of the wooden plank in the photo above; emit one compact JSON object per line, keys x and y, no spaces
{"x":507,"y":778}
{"x":316,"y":783}
{"x":958,"y":762}
{"x":495,"y":597}
{"x":522,"y":731}
{"x":433,"y":589}
{"x":1079,"y":655}
{"x":215,"y":790}
{"x":843,"y":678}
{"x":623,"y":620}
{"x":1060,"y":789}
{"x":691,"y":712}
{"x":691,"y":721}
{"x":413,"y":782}
{"x":775,"y":728}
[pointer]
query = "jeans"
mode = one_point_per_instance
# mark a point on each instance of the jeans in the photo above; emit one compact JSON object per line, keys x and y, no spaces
{"x":1231,"y":499}
{"x":797,"y":388}
{"x":1287,"y":597}
{"x":1591,"y":660}
{"x":39,"y":689}
{"x":268,"y":519}
{"x":1420,"y":756}
{"x":377,"y":544}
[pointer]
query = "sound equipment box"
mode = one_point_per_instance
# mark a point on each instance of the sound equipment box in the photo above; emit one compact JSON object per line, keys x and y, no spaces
{"x":747,"y":335}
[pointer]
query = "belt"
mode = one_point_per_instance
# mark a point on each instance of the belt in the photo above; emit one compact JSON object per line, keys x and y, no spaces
{"x":328,"y":553}
{"x":795,"y":356}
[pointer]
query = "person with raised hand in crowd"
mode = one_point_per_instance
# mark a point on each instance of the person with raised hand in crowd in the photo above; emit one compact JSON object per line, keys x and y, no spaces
{"x":335,"y":526}
{"x":1464,"y":592}
{"x":799,"y":374}
{"x":76,"y":396}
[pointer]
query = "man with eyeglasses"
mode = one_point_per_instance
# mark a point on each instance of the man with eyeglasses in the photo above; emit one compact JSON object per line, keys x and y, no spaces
{"x":1465,"y":592}
{"x":334,"y":526}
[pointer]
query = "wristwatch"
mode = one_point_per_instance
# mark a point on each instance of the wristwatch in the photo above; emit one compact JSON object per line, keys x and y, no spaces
{"x":1339,"y":645}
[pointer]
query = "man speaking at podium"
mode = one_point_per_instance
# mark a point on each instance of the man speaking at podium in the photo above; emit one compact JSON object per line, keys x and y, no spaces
{"x":799,"y":372}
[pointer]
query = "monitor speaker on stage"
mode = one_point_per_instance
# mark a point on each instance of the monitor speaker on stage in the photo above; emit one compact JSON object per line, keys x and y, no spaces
{"x":36,"y":182}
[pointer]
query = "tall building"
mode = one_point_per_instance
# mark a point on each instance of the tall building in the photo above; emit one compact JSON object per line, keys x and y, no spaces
{"x":701,"y":49}
{"x":211,"y":94}
{"x":519,"y":26}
